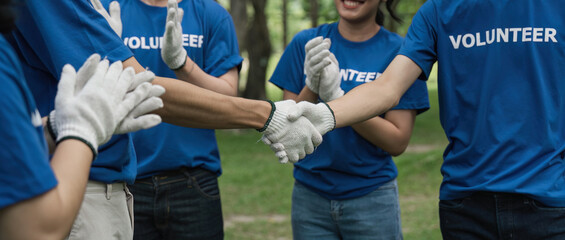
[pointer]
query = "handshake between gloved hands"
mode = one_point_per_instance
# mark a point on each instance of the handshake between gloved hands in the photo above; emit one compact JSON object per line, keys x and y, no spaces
{"x":295,"y":129}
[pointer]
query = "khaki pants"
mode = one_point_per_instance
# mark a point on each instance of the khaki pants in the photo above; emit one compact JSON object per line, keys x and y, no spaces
{"x":106,"y":213}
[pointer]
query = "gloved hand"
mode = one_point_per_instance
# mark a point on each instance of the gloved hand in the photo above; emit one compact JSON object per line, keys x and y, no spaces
{"x":290,"y":141}
{"x":173,"y":53}
{"x":330,"y":81}
{"x":114,"y":18}
{"x":91,"y":114}
{"x":320,"y":115}
{"x":317,"y":51}
{"x":138,"y":118}
{"x":85,"y":72}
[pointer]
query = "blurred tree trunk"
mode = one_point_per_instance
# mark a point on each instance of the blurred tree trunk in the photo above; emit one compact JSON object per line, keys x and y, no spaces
{"x":238,"y":11}
{"x":258,"y":47}
{"x":314,"y":12}
{"x":284,"y":23}
{"x":389,"y":23}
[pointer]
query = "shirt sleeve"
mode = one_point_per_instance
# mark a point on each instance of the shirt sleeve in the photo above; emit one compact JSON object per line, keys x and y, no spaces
{"x":24,"y":165}
{"x":68,"y":32}
{"x":222,"y":48}
{"x":420,"y":42}
{"x":415,"y":98}
{"x":289,"y":73}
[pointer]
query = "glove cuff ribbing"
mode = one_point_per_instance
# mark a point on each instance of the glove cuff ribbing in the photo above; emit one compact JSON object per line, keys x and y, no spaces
{"x":69,"y":131}
{"x":92,"y":148}
{"x":178,"y":62}
{"x":331,"y":124}
{"x":51,"y":127}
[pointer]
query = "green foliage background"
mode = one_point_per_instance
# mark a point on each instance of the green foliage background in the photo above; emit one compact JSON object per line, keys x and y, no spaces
{"x":298,"y":19}
{"x":256,"y":189}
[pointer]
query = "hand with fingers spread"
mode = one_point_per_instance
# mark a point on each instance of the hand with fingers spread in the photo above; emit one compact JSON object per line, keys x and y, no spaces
{"x":173,"y":53}
{"x":317,"y":51}
{"x":113,"y":18}
{"x":290,"y":140}
{"x":91,"y":109}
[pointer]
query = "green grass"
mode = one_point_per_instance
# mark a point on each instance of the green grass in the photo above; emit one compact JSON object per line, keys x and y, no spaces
{"x":256,"y":189}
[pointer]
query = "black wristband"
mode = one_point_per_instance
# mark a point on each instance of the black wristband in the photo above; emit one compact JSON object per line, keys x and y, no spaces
{"x":273,"y":108}
{"x":333,"y":115}
{"x":94,"y":151}
{"x":50,"y":129}
{"x":182,"y":65}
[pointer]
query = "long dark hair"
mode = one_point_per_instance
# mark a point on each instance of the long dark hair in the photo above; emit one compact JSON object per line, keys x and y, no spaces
{"x":380,"y":19}
{"x":7,"y":15}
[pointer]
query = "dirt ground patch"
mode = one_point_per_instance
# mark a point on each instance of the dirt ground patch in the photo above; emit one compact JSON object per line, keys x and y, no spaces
{"x":233,"y":220}
{"x":421,"y":148}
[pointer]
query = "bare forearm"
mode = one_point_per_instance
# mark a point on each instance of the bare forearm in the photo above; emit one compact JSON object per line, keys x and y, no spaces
{"x":371,"y":99}
{"x":48,"y":137}
{"x":50,"y":215}
{"x":392,"y":133}
{"x":226,"y":84}
{"x":188,"y":105}
{"x":307,"y":95}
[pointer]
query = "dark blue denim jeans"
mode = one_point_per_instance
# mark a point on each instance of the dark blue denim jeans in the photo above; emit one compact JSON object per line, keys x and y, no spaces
{"x":183,"y":204}
{"x":500,"y":216}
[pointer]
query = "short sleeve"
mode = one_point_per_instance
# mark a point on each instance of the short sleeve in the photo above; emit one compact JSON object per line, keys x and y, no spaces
{"x":68,"y":32}
{"x":24,"y":165}
{"x":420,"y":41}
{"x":222,"y":49}
{"x":289,"y":73}
{"x":415,"y":98}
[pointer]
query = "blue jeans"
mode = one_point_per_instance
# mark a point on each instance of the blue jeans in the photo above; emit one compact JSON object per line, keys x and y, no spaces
{"x":373,"y":216}
{"x":500,"y":216}
{"x":183,"y":204}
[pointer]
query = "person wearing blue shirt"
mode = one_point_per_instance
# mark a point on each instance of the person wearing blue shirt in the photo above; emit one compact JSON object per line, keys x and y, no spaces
{"x":347,"y":188}
{"x":42,"y":194}
{"x":49,"y":35}
{"x":502,"y":107}
{"x":44,"y":46}
{"x":176,"y":191}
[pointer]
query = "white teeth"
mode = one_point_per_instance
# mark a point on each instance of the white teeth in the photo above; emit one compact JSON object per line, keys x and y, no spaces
{"x":351,"y":3}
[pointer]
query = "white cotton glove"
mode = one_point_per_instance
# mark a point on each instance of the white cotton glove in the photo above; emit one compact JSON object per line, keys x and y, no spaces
{"x":317,"y":51}
{"x":92,"y":114}
{"x":320,"y":115}
{"x":290,"y":141}
{"x":330,"y":81}
{"x":113,"y":18}
{"x":85,"y":72}
{"x":139,"y":118}
{"x":173,"y":53}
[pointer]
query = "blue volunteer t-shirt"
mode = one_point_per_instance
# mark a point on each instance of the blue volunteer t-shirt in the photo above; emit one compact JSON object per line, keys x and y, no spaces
{"x":501,"y":93}
{"x":346,"y":165}
{"x":210,"y":40}
{"x":49,"y":35}
{"x":24,"y":164}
